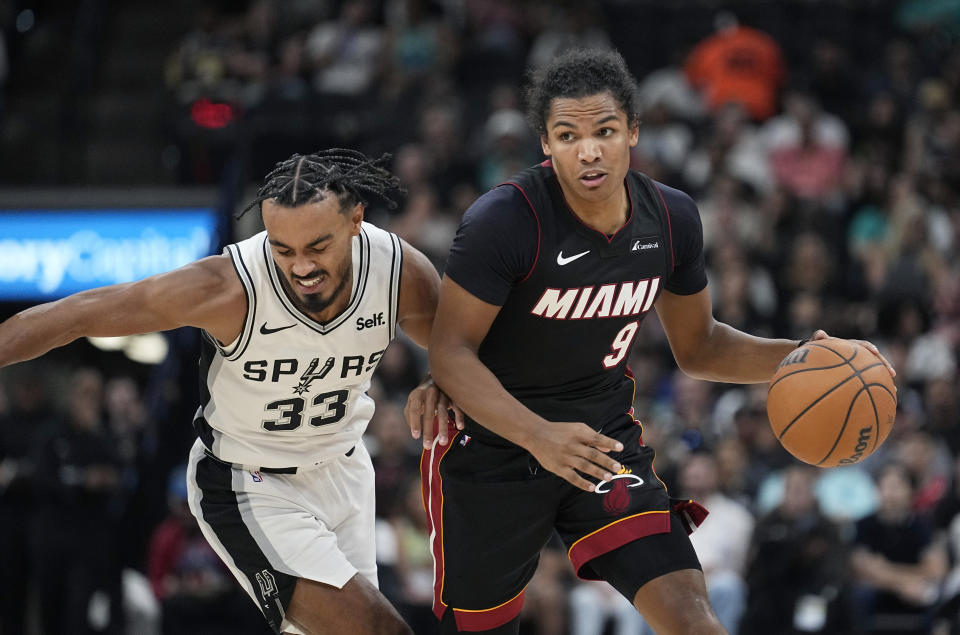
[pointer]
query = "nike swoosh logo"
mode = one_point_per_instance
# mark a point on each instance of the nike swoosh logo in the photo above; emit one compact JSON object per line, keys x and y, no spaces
{"x":563,"y":261}
{"x":264,"y":330}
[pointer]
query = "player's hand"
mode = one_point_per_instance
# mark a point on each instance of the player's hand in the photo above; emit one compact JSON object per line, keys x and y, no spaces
{"x":820,"y":334}
{"x":571,"y":450}
{"x":424,"y":405}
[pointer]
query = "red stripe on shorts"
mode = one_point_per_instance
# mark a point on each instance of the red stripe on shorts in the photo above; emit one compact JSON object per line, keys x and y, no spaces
{"x":431,"y":488}
{"x":617,"y":534}
{"x":487,"y":619}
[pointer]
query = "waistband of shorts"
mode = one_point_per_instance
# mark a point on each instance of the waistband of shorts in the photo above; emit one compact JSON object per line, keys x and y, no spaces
{"x":267,"y":470}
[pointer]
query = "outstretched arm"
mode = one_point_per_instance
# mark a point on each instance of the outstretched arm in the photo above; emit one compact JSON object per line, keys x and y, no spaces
{"x":707,"y":349}
{"x":206,"y":294}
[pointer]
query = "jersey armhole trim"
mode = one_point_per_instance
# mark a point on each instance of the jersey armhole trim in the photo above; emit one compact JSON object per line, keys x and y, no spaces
{"x":234,"y":352}
{"x":396,"y":274}
{"x":536,"y":217}
{"x":666,"y":208}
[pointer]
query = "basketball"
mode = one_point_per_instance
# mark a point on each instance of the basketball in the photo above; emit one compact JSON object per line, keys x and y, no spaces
{"x":831,"y":402}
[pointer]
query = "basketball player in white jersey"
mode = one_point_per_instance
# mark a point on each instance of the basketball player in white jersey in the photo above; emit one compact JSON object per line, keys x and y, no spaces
{"x":294,"y":322}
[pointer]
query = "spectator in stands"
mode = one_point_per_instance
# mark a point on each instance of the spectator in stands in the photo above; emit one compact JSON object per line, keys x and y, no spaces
{"x":196,"y":591}
{"x":395,"y":456}
{"x":595,"y":604}
{"x":896,"y":564}
{"x":807,"y":147}
{"x":570,"y":26}
{"x":27,"y":420}
{"x":196,"y":67}
{"x":731,"y":146}
{"x":947,"y":526}
{"x":547,"y":602}
{"x":419,"y":48}
{"x":796,"y":565}
{"x":78,"y":477}
{"x":929,"y":463}
{"x":664,"y":142}
{"x":722,"y":541}
{"x":737,"y":64}
{"x":507,"y":143}
{"x":126,"y":419}
{"x":414,"y":561}
{"x":344,"y":54}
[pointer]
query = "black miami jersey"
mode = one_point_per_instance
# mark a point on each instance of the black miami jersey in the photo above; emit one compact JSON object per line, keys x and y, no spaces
{"x":572,"y":298}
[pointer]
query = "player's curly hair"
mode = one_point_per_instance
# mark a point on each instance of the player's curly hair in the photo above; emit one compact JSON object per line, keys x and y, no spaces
{"x":580,"y":73}
{"x":348,"y":174}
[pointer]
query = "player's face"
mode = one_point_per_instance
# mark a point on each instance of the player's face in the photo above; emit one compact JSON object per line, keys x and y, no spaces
{"x":588,"y":140}
{"x":313,"y":249}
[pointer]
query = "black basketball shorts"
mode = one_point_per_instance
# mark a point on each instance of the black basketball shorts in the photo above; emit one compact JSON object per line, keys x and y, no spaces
{"x":491,"y":509}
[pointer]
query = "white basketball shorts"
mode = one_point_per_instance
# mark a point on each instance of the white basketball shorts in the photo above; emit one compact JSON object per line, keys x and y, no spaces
{"x":271,"y":529}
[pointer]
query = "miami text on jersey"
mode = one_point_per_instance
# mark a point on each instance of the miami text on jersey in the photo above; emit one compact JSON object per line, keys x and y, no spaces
{"x":608,"y":300}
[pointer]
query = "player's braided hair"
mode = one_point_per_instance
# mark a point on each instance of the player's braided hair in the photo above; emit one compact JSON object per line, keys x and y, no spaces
{"x":349,"y":174}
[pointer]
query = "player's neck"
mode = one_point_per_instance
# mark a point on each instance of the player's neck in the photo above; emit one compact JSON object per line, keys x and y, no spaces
{"x":606,"y":216}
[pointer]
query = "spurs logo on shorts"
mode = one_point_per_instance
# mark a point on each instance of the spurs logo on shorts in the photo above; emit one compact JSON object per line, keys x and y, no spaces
{"x":616,"y":497}
{"x":268,"y":585}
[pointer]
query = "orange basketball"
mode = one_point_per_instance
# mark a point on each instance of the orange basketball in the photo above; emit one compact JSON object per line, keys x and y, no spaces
{"x":831,"y":402}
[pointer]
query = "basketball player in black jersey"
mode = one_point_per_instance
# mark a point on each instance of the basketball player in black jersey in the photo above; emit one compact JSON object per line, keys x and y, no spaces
{"x":546,"y":283}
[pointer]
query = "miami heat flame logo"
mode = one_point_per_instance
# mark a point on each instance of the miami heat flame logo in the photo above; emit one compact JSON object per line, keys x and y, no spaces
{"x":616,"y":498}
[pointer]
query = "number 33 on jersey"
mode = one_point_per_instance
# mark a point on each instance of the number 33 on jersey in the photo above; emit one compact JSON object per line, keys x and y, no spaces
{"x":289,"y":388}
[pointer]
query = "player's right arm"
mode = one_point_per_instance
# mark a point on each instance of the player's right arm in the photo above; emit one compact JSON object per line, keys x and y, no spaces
{"x":565,"y":448}
{"x":493,"y":249}
{"x":205,"y":294}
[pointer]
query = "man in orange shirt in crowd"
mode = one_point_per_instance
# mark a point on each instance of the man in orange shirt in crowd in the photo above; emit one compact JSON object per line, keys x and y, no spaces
{"x":737,"y":64}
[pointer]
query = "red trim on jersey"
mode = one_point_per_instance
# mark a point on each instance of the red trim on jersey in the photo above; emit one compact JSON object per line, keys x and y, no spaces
{"x":629,"y":373}
{"x":432,"y":494}
{"x":548,"y":163}
{"x":673,"y":260}
{"x":487,"y":619}
{"x":629,"y":216}
{"x":539,"y":232}
{"x":615,"y":535}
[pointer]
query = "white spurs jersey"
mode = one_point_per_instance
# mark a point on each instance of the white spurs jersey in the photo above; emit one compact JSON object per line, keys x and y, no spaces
{"x":289,"y":391}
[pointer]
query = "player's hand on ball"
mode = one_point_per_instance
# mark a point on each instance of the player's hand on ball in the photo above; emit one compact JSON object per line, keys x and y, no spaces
{"x":570,"y":449}
{"x":820,"y":334}
{"x":424,"y":405}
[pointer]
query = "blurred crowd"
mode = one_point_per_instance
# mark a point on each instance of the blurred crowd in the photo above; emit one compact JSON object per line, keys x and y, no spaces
{"x":826,"y":167}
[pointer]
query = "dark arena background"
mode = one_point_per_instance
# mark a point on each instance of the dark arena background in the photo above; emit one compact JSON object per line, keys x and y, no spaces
{"x":819,"y":138}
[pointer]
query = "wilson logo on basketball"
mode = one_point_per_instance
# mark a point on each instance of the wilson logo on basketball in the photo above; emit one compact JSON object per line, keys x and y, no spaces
{"x":796,"y":357}
{"x":862,"y":442}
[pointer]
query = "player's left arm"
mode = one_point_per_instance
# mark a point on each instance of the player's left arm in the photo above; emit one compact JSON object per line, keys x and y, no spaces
{"x":419,"y":290}
{"x":703,"y":347}
{"x":707,"y":349}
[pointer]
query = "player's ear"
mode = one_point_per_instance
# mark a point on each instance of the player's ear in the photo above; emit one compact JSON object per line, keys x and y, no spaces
{"x":544,"y":145}
{"x":634,"y":132}
{"x":356,"y":219}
